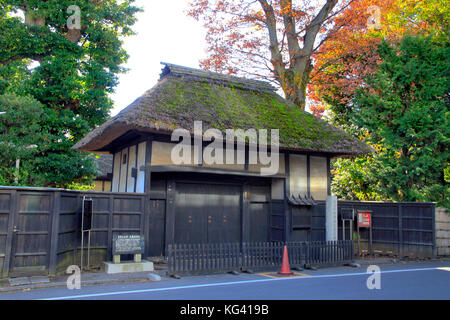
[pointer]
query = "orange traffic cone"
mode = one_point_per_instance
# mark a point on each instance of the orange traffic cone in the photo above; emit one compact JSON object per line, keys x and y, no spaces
{"x":285,"y":269}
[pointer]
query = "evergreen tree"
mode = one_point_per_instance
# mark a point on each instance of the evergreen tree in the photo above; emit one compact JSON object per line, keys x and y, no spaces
{"x":67,"y":55}
{"x":404,"y":108}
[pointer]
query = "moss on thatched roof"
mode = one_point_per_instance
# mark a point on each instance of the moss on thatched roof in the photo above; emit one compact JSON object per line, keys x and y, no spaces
{"x":185,"y":95}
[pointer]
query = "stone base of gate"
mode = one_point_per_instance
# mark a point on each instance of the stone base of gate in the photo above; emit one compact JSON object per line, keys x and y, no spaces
{"x":128,"y":267}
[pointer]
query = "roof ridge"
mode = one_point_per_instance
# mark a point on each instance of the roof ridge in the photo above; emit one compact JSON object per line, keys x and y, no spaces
{"x":246,"y":83}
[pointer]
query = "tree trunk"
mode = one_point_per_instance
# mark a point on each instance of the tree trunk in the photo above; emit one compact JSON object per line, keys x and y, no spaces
{"x":295,"y":80}
{"x":295,"y":77}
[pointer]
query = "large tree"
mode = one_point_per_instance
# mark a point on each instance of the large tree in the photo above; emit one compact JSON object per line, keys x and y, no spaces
{"x":274,"y":40}
{"x":347,"y":61}
{"x":66,"y":54}
{"x":404,"y":109}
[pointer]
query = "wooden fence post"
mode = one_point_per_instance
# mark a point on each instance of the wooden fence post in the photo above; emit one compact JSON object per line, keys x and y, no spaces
{"x":400,"y":230}
{"x":53,"y":252}
{"x":433,"y":223}
{"x":10,"y":232}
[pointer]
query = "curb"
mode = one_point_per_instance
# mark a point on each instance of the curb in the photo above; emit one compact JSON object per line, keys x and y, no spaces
{"x":395,"y":260}
{"x":58,"y":284}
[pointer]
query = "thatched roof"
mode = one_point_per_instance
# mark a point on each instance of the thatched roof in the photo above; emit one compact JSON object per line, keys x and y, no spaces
{"x":184,"y":95}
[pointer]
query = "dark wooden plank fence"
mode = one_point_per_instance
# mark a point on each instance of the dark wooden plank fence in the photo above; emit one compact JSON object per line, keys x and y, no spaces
{"x":398,"y":228}
{"x":224,"y":257}
{"x":40,"y":228}
{"x":40,"y":233}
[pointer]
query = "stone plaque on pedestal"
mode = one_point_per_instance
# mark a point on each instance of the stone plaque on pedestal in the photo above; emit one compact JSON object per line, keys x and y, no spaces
{"x":128,"y":244}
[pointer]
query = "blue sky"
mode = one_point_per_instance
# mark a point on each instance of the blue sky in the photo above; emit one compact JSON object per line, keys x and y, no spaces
{"x":166,"y":34}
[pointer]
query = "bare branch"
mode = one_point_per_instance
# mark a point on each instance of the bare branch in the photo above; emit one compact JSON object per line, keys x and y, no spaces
{"x":276,"y":57}
{"x":313,"y":28}
{"x":289,"y":25}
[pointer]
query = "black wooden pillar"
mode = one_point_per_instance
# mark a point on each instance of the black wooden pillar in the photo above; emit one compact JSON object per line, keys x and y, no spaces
{"x":170,"y":214}
{"x":245,"y":202}
{"x":110,"y":225}
{"x":147,"y":187}
{"x":328,"y":177}
{"x":433,"y":228}
{"x":287,"y":193}
{"x":245,"y":207}
{"x":148,"y":162}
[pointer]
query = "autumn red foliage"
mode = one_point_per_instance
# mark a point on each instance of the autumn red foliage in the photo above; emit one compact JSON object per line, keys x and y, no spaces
{"x":297,"y":45}
{"x":273,"y":40}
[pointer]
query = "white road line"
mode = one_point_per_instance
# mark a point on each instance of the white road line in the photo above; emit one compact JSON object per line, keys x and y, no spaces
{"x":444,"y":268}
{"x":104,"y":294}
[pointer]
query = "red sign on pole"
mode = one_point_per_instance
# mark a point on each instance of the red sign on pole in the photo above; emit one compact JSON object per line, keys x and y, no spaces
{"x":364,"y":219}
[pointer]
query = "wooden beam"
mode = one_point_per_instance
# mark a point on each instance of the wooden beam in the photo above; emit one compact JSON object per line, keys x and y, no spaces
{"x":245,"y":212}
{"x":148,"y":161}
{"x":147,"y":189}
{"x":196,"y":169}
{"x":136,"y":166}
{"x":170,"y":213}
{"x":127,"y":164}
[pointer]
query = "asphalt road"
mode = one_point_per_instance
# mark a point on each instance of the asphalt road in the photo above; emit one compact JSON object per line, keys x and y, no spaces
{"x":400,"y":281}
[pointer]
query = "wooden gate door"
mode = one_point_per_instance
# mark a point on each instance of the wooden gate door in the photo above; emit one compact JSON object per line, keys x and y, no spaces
{"x":207,"y":213}
{"x":157,"y":228}
{"x":259,"y":222}
{"x":224,"y":213}
{"x":190,"y":218}
{"x":31,"y":236}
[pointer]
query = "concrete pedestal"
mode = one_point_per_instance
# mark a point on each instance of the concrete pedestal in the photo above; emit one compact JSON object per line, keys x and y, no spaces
{"x":142,"y":266}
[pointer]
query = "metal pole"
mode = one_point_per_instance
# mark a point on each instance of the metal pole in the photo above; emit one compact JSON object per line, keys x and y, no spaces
{"x":82,"y":240}
{"x":357,"y":228}
{"x":82,"y":233}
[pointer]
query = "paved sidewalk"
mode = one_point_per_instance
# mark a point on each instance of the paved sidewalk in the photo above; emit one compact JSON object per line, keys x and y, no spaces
{"x":87,"y":278}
